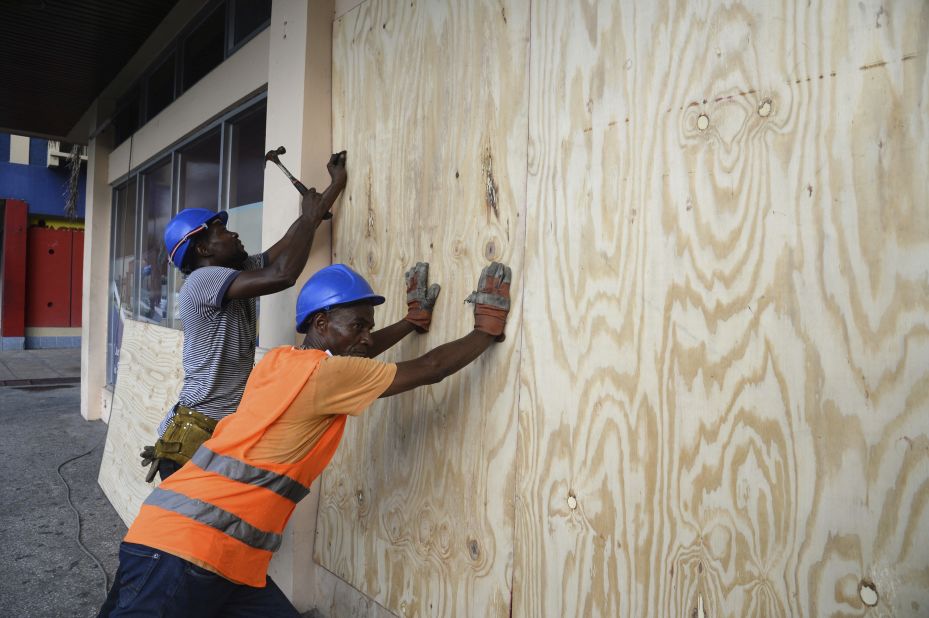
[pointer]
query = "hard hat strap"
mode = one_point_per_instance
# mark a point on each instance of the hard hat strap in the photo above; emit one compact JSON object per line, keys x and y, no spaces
{"x":202,"y":227}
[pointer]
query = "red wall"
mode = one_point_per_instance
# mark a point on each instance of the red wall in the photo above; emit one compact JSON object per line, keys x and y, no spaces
{"x":53,"y":277}
{"x":77,"y":275}
{"x":13,"y":273}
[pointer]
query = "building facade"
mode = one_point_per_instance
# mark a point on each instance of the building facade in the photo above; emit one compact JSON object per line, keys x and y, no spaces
{"x":42,"y":215}
{"x":184,"y":124}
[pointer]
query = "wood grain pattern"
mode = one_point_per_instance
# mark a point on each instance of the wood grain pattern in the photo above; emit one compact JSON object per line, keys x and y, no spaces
{"x":724,"y":378}
{"x":429,"y":99}
{"x":147,"y":384}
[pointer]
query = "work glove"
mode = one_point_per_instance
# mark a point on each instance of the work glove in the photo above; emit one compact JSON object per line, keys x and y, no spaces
{"x":491,"y":300}
{"x":420,"y":299}
{"x":149,"y":458}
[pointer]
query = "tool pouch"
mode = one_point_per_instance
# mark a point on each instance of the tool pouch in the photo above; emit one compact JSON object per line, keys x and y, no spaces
{"x":186,"y":431}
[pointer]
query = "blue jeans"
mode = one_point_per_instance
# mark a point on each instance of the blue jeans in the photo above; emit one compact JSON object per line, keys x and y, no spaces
{"x":150,"y":582}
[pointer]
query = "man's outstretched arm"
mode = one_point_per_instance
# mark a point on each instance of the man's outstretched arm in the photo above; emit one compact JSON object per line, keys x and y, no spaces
{"x":491,"y":307}
{"x":420,"y":301}
{"x":338,"y":178}
{"x":287,"y":258}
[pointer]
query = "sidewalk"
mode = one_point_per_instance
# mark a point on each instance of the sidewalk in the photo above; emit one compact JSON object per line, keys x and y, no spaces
{"x":25,"y":367}
{"x":44,"y":571}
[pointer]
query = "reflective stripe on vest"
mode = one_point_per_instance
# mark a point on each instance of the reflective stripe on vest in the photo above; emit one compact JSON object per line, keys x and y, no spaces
{"x":242,"y":472}
{"x":215,"y":517}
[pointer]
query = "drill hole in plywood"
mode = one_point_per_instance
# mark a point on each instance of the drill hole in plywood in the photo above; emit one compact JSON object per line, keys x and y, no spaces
{"x":868,"y":593}
{"x":703,"y":122}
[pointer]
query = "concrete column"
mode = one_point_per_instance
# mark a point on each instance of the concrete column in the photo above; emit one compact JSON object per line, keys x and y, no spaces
{"x":96,"y":279}
{"x":299,"y":118}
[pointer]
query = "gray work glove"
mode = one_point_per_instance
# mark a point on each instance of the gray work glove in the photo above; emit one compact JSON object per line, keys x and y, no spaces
{"x":420,"y":299}
{"x":491,"y":300}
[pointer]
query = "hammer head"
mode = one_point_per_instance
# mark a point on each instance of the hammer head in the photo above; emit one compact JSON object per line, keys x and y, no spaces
{"x":272,"y":155}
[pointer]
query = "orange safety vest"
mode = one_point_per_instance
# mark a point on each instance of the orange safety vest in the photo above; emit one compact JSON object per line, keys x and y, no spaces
{"x":224,"y":509}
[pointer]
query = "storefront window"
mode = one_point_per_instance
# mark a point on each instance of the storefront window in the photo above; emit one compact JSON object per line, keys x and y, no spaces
{"x":204,"y":48}
{"x":156,"y":212}
{"x":212,"y":37}
{"x":199,"y":173}
{"x":160,"y":88}
{"x":123,"y":281}
{"x":222,"y":168}
{"x":246,"y":177}
{"x":249,"y":16}
{"x":198,"y":178}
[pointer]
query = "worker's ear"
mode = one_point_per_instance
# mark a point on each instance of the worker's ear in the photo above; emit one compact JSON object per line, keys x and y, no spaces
{"x":202,"y":248}
{"x":319,"y":321}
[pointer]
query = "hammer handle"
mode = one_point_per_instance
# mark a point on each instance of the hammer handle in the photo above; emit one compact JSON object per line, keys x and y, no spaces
{"x":303,"y":191}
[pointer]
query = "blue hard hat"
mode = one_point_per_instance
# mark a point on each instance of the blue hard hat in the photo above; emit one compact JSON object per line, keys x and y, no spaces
{"x":186,"y":224}
{"x":333,"y":285}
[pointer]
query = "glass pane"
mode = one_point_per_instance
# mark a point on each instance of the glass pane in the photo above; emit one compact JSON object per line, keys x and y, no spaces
{"x":156,"y":204}
{"x":126,"y":121}
{"x":246,"y":222}
{"x":123,"y":285}
{"x":204,"y":47}
{"x":199,"y":173}
{"x":199,"y":181}
{"x":249,"y":16}
{"x":160,"y":88}
{"x":246,"y":178}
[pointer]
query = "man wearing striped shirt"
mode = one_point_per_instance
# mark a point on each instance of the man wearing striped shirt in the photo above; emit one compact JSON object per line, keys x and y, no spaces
{"x":217,"y":306}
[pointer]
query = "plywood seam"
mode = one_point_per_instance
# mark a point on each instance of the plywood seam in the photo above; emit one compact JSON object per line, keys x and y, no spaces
{"x":522,"y":295}
{"x":350,"y":585}
{"x":344,"y":13}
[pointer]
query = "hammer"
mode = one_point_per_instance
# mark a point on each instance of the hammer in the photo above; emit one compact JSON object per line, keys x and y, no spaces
{"x":274,"y":157}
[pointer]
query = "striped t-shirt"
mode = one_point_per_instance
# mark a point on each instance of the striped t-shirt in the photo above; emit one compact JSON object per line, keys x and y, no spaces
{"x":219,"y":341}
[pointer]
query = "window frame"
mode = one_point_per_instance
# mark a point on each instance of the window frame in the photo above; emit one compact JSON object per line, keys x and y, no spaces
{"x":138,"y":89}
{"x":181,"y":42}
{"x":223,"y":123}
{"x":228,"y":142}
{"x":231,"y":46}
{"x":141,"y":212}
{"x":168,"y":55}
{"x":116,"y":220}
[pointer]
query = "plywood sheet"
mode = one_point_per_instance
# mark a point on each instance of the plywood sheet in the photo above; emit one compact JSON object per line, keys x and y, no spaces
{"x":724,"y":399}
{"x":429,"y":99}
{"x":147,"y":384}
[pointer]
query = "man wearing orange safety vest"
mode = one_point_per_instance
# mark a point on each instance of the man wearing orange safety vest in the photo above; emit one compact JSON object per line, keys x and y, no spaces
{"x":203,"y":539}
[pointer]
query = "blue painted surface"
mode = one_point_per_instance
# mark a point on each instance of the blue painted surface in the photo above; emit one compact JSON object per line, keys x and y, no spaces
{"x":51,"y":342}
{"x":12,"y":343}
{"x":38,"y":151}
{"x":4,"y":146}
{"x":42,"y":188}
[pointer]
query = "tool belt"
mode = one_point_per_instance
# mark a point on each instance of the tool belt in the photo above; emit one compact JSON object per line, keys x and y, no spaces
{"x":186,"y":431}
